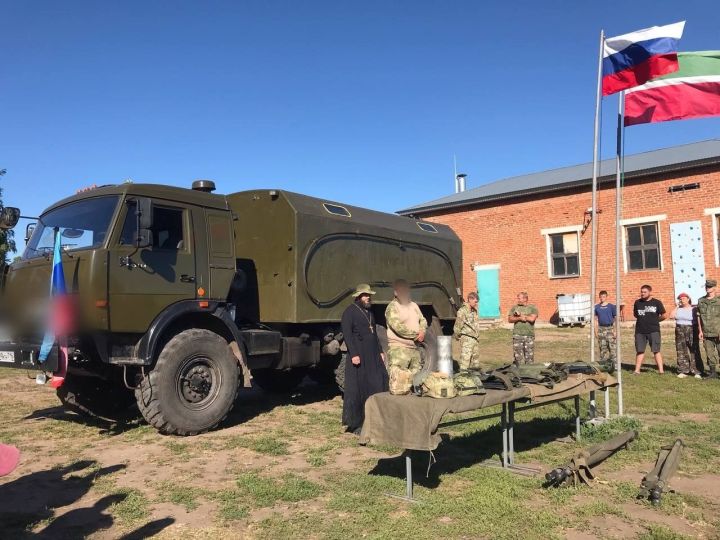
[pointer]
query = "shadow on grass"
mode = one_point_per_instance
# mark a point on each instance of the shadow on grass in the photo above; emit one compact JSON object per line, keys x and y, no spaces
{"x":464,"y":451}
{"x":34,"y":498}
{"x":251,"y":402}
{"x":105,"y":427}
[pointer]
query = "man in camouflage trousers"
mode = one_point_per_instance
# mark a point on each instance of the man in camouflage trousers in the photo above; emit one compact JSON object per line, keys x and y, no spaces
{"x":605,"y":314}
{"x":708,"y":310}
{"x":406,"y":326}
{"x":523,"y":316}
{"x":467,"y":330}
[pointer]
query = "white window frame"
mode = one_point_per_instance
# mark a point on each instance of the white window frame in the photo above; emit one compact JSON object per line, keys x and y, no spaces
{"x":548,"y":248}
{"x":714,"y":213}
{"x":476,"y":267}
{"x":640,"y":221}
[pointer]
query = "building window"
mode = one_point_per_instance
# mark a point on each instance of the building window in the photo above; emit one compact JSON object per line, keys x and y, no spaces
{"x":565,"y":255}
{"x":714,"y":215}
{"x":643,"y":248}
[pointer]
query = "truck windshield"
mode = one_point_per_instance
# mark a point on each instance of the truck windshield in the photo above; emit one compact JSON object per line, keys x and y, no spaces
{"x":82,"y":225}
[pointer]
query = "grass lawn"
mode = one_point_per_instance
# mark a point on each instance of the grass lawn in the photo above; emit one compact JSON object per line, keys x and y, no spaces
{"x":282,"y":467}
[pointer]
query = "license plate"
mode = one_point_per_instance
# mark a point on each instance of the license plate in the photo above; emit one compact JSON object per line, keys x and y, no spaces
{"x":7,"y":356}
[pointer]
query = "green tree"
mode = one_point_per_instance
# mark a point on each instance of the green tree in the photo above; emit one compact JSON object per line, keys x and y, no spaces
{"x":7,"y":240}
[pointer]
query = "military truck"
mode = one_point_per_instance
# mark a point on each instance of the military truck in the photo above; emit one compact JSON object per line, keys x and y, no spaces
{"x":183,"y":295}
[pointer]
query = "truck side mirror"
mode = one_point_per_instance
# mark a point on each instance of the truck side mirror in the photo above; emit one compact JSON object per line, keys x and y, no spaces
{"x":9,"y":217}
{"x":144,"y":238}
{"x":143,"y":213}
{"x":29,"y":230}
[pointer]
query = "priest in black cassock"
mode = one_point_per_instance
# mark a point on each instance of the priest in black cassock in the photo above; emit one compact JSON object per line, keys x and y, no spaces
{"x":365,"y":372}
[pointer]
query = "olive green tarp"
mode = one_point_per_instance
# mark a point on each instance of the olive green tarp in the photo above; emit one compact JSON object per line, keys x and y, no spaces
{"x":411,"y":422}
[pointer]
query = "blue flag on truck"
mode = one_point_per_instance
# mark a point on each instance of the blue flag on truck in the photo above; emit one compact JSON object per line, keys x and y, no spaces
{"x":60,"y":317}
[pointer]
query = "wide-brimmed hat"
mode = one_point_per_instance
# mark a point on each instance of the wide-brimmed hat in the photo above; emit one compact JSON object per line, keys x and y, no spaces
{"x":9,"y":458}
{"x":362,"y":288}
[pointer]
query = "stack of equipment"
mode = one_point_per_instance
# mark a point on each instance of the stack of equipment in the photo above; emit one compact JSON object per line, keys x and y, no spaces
{"x":539,"y":374}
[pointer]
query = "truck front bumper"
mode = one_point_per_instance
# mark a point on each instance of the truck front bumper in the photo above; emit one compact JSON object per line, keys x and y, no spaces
{"x":25,"y":356}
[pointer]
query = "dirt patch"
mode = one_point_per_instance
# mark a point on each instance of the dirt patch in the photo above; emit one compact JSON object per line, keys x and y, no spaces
{"x":707,"y":486}
{"x":651,"y":515}
{"x":609,"y":526}
{"x":575,"y":534}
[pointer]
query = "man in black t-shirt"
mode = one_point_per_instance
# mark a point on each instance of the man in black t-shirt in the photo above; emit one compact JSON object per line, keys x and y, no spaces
{"x":648,"y":313}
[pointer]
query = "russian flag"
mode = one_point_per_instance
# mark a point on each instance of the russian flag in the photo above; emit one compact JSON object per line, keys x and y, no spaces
{"x":60,"y":319}
{"x":635,"y":58}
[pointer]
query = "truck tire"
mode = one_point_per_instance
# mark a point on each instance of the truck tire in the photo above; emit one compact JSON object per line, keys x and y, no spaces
{"x":92,"y":397}
{"x":193,"y":385}
{"x":278,"y":381}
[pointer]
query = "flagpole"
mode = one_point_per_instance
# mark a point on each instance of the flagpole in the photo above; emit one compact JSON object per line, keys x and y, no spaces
{"x":619,"y":171}
{"x":593,"y":215}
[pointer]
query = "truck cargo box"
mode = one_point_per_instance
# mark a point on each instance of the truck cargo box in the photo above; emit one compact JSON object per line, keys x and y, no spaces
{"x":301,"y":257}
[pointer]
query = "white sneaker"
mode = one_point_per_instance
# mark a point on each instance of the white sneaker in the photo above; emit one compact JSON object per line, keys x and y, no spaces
{"x":681,"y":375}
{"x":698,"y":376}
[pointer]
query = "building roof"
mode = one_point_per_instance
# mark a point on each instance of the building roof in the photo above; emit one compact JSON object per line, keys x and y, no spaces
{"x":656,"y":161}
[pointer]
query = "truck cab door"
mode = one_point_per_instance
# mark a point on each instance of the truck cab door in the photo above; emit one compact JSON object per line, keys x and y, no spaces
{"x":142,"y":282}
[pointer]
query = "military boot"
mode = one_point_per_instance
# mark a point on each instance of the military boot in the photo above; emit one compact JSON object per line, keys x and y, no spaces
{"x":712,"y":373}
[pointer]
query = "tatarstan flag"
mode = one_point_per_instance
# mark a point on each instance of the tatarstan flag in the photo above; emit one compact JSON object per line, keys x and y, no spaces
{"x":691,"y":92}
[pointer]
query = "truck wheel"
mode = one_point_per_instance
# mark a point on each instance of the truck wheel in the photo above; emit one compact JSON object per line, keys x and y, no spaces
{"x":95,"y":398}
{"x":278,"y":381}
{"x":193,"y":386}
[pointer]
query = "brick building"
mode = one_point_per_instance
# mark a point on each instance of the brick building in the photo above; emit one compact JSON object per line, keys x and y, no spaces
{"x":533,"y":232}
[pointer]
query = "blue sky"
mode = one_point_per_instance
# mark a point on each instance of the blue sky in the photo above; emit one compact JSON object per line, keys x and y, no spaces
{"x":362,"y":102}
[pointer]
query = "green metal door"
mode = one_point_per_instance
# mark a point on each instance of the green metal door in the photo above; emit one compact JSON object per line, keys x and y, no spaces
{"x":143,"y":282}
{"x":488,"y":284}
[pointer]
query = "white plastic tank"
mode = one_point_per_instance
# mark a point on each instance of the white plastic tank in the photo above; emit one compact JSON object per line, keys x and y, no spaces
{"x":574,"y":309}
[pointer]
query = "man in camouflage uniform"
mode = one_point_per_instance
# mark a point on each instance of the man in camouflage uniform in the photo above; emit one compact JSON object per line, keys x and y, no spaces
{"x":523,"y":316}
{"x":709,"y":315}
{"x":467,"y":330}
{"x":605,"y":314}
{"x":406,"y":327}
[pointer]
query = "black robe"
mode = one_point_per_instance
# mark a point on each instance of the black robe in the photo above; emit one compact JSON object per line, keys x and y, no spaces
{"x":370,"y":377}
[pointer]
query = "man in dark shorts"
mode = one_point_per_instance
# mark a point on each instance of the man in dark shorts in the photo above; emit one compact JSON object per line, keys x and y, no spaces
{"x":648,"y":313}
